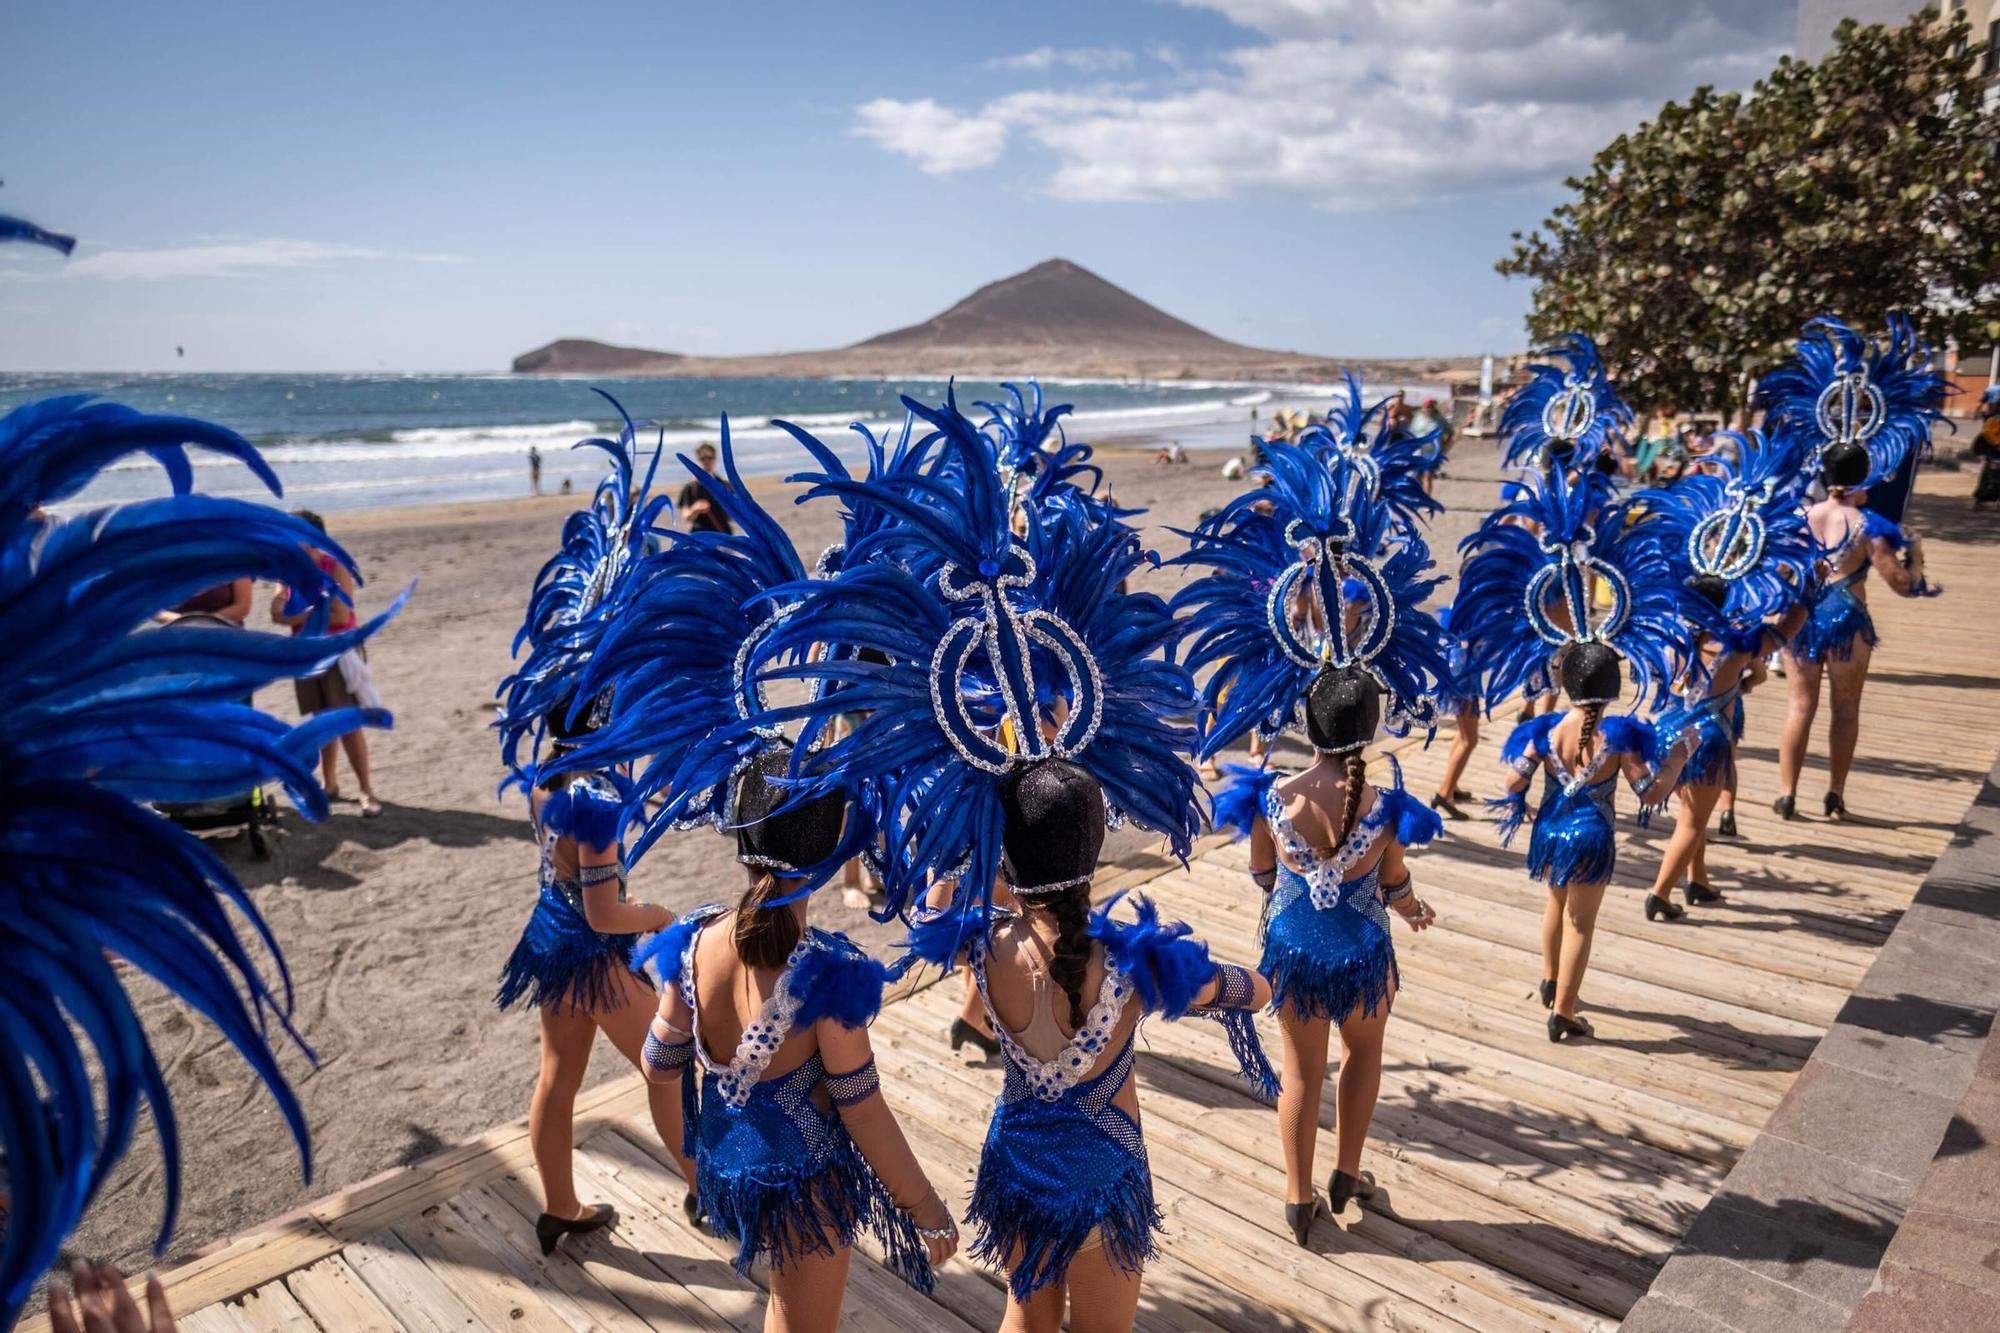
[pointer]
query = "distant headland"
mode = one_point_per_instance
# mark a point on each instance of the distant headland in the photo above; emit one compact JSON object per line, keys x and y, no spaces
{"x":1057,"y":318}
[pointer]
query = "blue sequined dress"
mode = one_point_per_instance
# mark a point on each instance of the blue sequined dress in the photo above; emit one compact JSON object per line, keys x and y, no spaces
{"x":1064,"y":1168}
{"x":777,"y":1171}
{"x":1327,"y":949}
{"x":1574,"y":840}
{"x":559,"y":960}
{"x":1717,"y":721}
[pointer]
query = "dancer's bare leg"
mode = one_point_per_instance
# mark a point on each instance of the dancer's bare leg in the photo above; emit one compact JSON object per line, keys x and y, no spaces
{"x":626,"y":1027}
{"x":567,"y":1035}
{"x":806,"y":1294}
{"x":1360,"y":1082}
{"x":1298,"y":1098}
{"x":1552,"y":933}
{"x":1462,"y":745}
{"x":1103,"y":1298}
{"x":1694,"y":803}
{"x":1580,"y":904}
{"x":1802,"y":694}
{"x":1844,"y":727}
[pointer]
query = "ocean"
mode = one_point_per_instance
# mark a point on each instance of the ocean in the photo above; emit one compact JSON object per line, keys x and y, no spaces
{"x":365,"y":441}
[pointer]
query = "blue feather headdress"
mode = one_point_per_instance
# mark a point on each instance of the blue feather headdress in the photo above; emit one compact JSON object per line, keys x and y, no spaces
{"x":22,"y":230}
{"x":1524,"y":589}
{"x":1000,"y":651}
{"x":1840,"y":386}
{"x":1327,"y":578}
{"x":1746,"y":528}
{"x":574,"y":597}
{"x":1563,"y":408}
{"x":1389,"y":468}
{"x":99,"y":713}
{"x":1041,"y":476}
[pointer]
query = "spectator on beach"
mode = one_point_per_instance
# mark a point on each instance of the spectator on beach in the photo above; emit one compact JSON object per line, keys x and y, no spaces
{"x":698,"y":508}
{"x":535,"y":469}
{"x":1172,"y":453}
{"x":345,"y":684}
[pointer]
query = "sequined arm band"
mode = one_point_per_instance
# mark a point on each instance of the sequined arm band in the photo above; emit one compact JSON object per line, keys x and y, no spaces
{"x":1234,"y":989}
{"x":852,"y":1088}
{"x":590,"y":875}
{"x":665,"y":1056}
{"x":1264,"y":879}
{"x":1395,"y":893}
{"x":1526,"y":765}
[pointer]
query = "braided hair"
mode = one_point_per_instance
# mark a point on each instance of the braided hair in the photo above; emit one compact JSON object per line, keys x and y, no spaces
{"x":1070,"y":912}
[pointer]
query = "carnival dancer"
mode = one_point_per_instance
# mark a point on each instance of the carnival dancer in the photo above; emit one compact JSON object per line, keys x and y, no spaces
{"x":1393,"y":465}
{"x":1026,"y":701}
{"x":1739,"y":539}
{"x":1523,"y":600}
{"x":572,"y":963}
{"x":1857,"y":408}
{"x":797,"y":1152}
{"x":99,"y":712}
{"x":1319,"y":627}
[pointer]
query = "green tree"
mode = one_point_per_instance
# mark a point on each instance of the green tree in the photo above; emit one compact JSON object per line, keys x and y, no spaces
{"x":1703,"y":240}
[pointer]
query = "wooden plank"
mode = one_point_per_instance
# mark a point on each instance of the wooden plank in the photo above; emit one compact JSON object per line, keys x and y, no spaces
{"x":386,"y":1265}
{"x":566,"y":1289}
{"x":496,"y":1298}
{"x":337,"y":1299}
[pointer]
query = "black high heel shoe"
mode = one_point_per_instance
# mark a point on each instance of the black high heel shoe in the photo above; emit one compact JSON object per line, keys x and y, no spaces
{"x":1836,"y":809}
{"x":1787,"y":807}
{"x":1443,"y":805}
{"x":1299,"y":1217}
{"x":1568,"y":1029}
{"x":692,"y":1207}
{"x":549,"y":1228}
{"x":962,"y":1032}
{"x":1698,"y":893}
{"x":1658,"y":909}
{"x":1341,"y":1188}
{"x":1725,"y":827}
{"x":1547,"y":990}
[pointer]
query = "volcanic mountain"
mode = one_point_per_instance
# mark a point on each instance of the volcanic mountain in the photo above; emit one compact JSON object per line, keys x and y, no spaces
{"x":1057,"y":318}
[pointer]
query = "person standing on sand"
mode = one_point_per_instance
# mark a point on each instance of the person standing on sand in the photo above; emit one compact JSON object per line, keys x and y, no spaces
{"x":534,"y":470}
{"x":345,"y":684}
{"x":698,"y":508}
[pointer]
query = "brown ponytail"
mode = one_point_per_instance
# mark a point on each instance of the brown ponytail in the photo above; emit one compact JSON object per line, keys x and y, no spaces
{"x":764,"y":935}
{"x":1591,"y":713}
{"x":1071,"y":911}
{"x":1357,"y":779}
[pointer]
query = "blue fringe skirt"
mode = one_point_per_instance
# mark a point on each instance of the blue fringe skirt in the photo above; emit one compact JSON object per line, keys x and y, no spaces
{"x":783,"y":1179}
{"x":561,"y":961}
{"x":1836,"y":620}
{"x":1714,"y":759}
{"x":1572,"y":843}
{"x":1051,"y":1175}
{"x":1326,"y":964}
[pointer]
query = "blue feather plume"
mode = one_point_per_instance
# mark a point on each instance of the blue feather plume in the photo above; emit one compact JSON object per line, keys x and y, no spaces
{"x":1571,"y":407}
{"x":20,"y":229}
{"x":1391,"y":465}
{"x":98,"y":712}
{"x":1839,"y":384}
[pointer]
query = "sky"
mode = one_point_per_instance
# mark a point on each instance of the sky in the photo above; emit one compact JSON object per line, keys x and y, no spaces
{"x":441,"y":186}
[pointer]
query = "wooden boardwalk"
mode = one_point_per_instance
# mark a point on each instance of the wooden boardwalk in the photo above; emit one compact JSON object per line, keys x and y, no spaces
{"x":1524,"y":1185}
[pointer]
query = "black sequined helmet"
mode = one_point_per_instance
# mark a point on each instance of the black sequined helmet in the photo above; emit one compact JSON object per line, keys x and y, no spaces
{"x":794,"y":840}
{"x":1343,"y":709}
{"x":1711,"y":587}
{"x":1592,"y":673}
{"x":568,"y":724}
{"x":1054,"y":827}
{"x":1845,"y":463}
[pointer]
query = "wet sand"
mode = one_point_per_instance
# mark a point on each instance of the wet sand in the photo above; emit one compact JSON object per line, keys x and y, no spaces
{"x":395,"y":928}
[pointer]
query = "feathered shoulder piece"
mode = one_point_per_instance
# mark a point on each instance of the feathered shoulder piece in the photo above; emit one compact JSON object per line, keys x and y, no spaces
{"x":1166,"y":965}
{"x":1746,"y":528}
{"x":682,"y":657}
{"x":1568,"y":409}
{"x":1307,"y":571}
{"x":1842,"y":386}
{"x":1415,"y":823}
{"x":574,"y":597}
{"x":1633,"y":736}
{"x":664,"y":952}
{"x":1524,"y":591}
{"x":1529,"y":740}
{"x":1388,"y":466}
{"x":589,"y":809}
{"x":100,"y":711}
{"x":1239,"y":803}
{"x":836,"y":980}
{"x":938,"y":935}
{"x":975,"y":653}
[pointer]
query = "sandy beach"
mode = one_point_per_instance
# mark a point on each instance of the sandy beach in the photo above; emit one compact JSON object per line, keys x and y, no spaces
{"x":395,"y":928}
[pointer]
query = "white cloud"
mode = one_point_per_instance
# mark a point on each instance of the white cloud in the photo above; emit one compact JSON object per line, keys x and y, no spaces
{"x":937,"y":138}
{"x":227,"y":259}
{"x":1084,"y":59}
{"x":1359,"y":104}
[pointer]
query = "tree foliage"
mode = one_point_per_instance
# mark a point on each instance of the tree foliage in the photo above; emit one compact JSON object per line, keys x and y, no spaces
{"x":1702,"y":241}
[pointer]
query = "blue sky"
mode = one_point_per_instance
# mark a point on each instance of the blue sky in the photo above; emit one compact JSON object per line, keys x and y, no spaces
{"x":428,"y":186}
